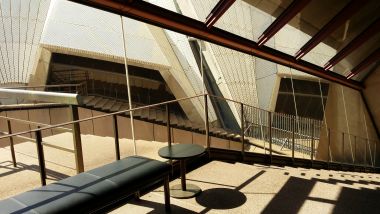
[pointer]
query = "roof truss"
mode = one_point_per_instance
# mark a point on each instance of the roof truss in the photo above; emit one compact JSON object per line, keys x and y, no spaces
{"x":155,"y":15}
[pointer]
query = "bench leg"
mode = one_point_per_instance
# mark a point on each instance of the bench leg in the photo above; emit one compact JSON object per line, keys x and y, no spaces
{"x":137,"y":195}
{"x":167,"y":193}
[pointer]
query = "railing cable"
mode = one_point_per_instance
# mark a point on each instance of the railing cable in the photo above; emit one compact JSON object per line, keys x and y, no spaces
{"x":31,"y":44}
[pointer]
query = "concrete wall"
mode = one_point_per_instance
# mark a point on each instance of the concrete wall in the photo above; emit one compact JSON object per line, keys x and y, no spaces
{"x":345,"y":112}
{"x":43,"y":116}
{"x":371,"y":96}
{"x":41,"y":71}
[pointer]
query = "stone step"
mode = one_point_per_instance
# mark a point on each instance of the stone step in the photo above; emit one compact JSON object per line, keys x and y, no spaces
{"x":94,"y":101}
{"x":101,"y":103}
{"x":181,"y":122}
{"x":116,"y":106}
{"x":173,"y":119}
{"x":137,"y":113}
{"x":160,"y":115}
{"x":108,"y":105}
{"x":153,"y":114}
{"x":87,"y":99}
{"x":145,"y":113}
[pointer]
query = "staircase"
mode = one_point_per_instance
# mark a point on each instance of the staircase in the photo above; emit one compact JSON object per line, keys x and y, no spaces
{"x":157,"y":116}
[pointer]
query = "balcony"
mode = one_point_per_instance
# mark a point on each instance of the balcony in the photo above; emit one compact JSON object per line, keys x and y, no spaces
{"x":234,"y":176}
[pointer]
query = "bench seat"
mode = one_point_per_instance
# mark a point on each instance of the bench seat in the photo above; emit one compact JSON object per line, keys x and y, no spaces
{"x":92,"y":190}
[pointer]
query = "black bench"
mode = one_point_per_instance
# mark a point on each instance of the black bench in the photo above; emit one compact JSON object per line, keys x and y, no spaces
{"x":94,"y":190}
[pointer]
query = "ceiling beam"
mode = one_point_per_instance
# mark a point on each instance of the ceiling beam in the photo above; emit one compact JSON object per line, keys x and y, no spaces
{"x":220,"y":8}
{"x":359,"y":40}
{"x":347,"y":12}
{"x":158,"y":16}
{"x":289,"y":13}
{"x":372,"y":58}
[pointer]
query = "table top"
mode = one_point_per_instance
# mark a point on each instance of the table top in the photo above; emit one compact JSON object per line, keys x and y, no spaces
{"x":181,"y":151}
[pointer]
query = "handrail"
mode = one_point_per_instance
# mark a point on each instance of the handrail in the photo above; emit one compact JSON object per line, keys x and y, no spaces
{"x":238,"y":102}
{"x":45,"y":86}
{"x":100,"y":116}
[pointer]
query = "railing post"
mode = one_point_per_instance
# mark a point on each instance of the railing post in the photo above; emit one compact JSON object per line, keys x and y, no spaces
{"x":354,"y":149}
{"x":41,"y":157}
{"x":328,"y":146}
{"x":77,"y":140}
{"x":270,"y":135}
{"x":116,"y":135}
{"x":93,"y":85}
{"x":207,"y":128}
{"x":168,"y":124}
{"x":293,"y":137}
{"x":242,"y":128}
{"x":11,"y":144}
{"x":374,"y":156}
{"x":344,"y":156}
{"x":365,"y":154}
{"x":312,"y":142}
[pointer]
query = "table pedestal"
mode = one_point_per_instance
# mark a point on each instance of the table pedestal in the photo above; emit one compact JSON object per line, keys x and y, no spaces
{"x":184,"y":190}
{"x":191,"y":191}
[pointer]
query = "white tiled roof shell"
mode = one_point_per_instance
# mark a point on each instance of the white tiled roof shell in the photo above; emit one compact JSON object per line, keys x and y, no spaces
{"x":236,"y":69}
{"x":181,"y":47}
{"x":76,"y":27}
{"x":21,"y":25}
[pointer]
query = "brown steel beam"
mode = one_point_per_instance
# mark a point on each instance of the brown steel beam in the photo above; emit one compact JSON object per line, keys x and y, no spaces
{"x":372,"y":58}
{"x":348,"y":11}
{"x":359,"y":40}
{"x":292,"y":10}
{"x":158,"y":16}
{"x":220,"y":8}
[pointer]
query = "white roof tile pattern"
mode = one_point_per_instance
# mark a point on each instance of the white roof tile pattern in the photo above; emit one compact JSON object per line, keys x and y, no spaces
{"x":21,"y":26}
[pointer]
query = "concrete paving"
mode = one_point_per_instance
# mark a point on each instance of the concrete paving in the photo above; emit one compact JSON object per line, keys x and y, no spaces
{"x":227,"y":187}
{"x":241,"y":188}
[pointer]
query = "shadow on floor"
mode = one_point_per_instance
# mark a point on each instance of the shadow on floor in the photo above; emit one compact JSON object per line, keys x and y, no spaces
{"x":158,"y":208}
{"x":296,"y":191}
{"x":221,"y":198}
{"x":51,"y":174}
{"x":224,"y":198}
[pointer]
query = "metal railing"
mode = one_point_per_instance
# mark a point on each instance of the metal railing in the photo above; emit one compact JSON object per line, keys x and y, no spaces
{"x":245,"y":124}
{"x":280,"y":129}
{"x":76,"y":133}
{"x":80,"y":88}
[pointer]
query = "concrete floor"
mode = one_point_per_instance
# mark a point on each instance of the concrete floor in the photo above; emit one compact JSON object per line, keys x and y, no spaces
{"x":227,"y":187}
{"x":241,"y":188}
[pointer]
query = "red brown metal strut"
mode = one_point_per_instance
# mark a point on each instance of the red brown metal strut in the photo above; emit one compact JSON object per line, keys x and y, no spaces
{"x":372,"y":58}
{"x":290,"y":12}
{"x":220,"y":8}
{"x":348,"y":11}
{"x":359,"y":40}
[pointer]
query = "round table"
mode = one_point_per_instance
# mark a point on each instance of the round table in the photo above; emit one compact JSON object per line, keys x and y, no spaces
{"x":182,"y":152}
